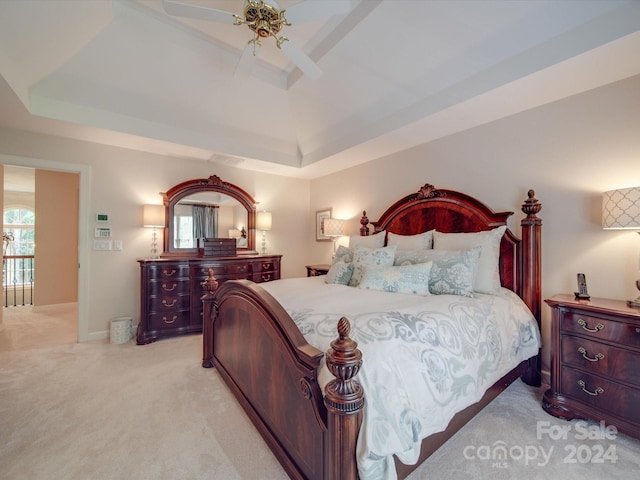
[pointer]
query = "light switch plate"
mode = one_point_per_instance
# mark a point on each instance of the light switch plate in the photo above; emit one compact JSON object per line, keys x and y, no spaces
{"x":102,"y":245}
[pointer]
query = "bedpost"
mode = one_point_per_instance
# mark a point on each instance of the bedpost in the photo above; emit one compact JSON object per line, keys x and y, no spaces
{"x":344,"y":400}
{"x":531,"y":291}
{"x":364,"y":221}
{"x":209,"y":306}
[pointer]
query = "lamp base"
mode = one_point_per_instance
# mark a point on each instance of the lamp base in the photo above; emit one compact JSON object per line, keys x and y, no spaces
{"x":634,"y":303}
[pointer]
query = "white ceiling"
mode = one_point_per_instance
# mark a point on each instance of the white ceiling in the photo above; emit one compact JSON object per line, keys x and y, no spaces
{"x":396,"y":74}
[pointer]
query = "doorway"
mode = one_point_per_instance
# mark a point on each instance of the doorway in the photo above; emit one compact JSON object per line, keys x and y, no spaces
{"x":79,"y":311}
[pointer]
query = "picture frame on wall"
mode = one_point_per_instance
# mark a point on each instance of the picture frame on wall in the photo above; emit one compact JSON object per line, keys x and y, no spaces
{"x":321,"y":215}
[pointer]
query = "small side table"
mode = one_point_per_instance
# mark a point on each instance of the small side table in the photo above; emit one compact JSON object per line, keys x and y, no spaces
{"x":317,"y":270}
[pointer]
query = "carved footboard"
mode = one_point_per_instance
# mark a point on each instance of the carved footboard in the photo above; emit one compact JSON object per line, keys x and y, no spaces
{"x":272,"y":371}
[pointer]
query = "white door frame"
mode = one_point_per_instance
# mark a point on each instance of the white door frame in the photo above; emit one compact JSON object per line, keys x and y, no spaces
{"x":83,"y":229}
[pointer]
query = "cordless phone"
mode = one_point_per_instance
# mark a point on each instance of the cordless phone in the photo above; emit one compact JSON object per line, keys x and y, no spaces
{"x":582,"y":288}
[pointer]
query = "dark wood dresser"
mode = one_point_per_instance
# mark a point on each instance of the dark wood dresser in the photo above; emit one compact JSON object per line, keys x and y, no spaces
{"x":595,"y":362}
{"x":170,"y":290}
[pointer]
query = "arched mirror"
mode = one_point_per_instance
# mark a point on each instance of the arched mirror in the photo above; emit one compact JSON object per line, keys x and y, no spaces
{"x":208,"y":207}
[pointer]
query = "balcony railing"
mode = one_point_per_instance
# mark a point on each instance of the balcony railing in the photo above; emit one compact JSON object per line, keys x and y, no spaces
{"x":17,"y":279}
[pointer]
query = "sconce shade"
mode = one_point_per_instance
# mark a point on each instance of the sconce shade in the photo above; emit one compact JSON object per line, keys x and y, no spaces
{"x":263,"y":221}
{"x":235,"y":233}
{"x":334,"y":227}
{"x":621,"y":209}
{"x":153,"y":215}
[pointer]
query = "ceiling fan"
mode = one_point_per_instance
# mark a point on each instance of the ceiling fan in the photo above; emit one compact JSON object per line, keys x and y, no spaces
{"x":265,"y":19}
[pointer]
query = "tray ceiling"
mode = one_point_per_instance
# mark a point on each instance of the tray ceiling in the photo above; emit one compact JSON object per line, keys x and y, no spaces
{"x":396,"y":74}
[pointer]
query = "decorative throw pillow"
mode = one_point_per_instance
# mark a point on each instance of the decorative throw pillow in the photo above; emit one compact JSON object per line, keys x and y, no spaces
{"x":340,"y":273}
{"x":412,"y":279}
{"x":367,"y":256}
{"x":370,"y":241}
{"x":421,"y":241}
{"x":343,"y":254}
{"x":452,"y":272}
{"x":488,"y":274}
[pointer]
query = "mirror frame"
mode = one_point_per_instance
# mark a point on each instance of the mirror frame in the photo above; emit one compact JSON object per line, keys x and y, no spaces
{"x":212,"y":184}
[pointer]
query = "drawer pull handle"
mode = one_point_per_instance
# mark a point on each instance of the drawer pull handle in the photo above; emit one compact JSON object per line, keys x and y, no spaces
{"x":598,"y":390}
{"x":167,"y":289}
{"x":583,"y":324}
{"x":169,"y":273}
{"x":599,"y":356}
{"x":266,"y":278}
{"x":169,"y":322}
{"x":173,"y":302}
{"x":267,"y":266}
{"x":637,"y":329}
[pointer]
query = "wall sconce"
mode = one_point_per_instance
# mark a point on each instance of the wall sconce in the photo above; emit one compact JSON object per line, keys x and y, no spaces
{"x":334,"y":228}
{"x":153,"y":217}
{"x":621,"y":211}
{"x":263,"y":222}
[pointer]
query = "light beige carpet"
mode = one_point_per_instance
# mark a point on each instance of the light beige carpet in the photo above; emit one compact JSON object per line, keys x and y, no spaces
{"x":101,"y":411}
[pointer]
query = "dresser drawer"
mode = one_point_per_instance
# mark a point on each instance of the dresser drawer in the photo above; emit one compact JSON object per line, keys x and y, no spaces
{"x":264,"y":266}
{"x":600,"y":328}
{"x":169,"y":320}
{"x":601,"y":359}
{"x":602,"y":393}
{"x":168,"y":287}
{"x":221,"y":269}
{"x":166,"y":303}
{"x":169,"y":271}
{"x":261,"y":277}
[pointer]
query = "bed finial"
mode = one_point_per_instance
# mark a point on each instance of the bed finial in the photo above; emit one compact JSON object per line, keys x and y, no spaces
{"x":364,"y":221}
{"x":343,"y":359}
{"x":210,"y":284}
{"x":531,"y":205}
{"x":344,"y":399}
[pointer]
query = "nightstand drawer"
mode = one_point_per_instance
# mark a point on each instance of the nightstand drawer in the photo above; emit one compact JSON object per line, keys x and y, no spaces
{"x":603,"y":394}
{"x":601,"y":359}
{"x":600,"y":328}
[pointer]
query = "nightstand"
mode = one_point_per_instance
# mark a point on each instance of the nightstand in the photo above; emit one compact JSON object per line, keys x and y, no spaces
{"x":595,"y":360}
{"x":317,"y":270}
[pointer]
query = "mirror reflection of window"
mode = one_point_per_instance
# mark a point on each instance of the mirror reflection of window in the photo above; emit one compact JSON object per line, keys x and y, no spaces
{"x":183,"y":225}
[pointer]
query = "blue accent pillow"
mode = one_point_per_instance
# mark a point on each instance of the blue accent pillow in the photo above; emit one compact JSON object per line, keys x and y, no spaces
{"x":366,"y":256}
{"x":340,"y":273}
{"x":412,"y":279}
{"x":453,"y":271}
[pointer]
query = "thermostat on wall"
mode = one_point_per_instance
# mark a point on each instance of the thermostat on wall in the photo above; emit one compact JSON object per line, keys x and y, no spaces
{"x":102,"y":217}
{"x":102,"y":232}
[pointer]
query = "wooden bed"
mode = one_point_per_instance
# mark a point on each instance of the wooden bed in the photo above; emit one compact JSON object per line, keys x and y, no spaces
{"x":273,"y":372}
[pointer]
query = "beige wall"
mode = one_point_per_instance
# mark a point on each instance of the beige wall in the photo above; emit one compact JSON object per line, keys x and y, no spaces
{"x":568,"y":151}
{"x":56,"y":237}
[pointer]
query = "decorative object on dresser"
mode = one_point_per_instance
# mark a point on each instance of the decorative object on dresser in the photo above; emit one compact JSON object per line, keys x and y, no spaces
{"x":334,"y":228}
{"x":595,"y":353}
{"x":313,"y":431}
{"x":621,"y":211}
{"x":317,"y":270}
{"x":153,"y":216}
{"x":171,"y":286}
{"x":263,"y":222}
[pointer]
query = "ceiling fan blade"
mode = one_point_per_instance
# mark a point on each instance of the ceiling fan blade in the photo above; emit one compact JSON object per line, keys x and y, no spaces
{"x":180,"y":9}
{"x":311,"y":10}
{"x":301,"y":60}
{"x":246,"y":62}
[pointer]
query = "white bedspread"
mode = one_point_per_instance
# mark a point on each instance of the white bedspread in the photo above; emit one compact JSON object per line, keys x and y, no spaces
{"x":424,"y":358}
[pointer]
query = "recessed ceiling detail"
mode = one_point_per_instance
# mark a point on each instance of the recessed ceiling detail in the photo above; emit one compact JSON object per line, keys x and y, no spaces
{"x":133,"y":74}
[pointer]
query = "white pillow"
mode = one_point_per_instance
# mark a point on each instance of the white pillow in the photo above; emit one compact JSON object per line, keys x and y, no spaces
{"x":420,"y":241}
{"x":369,"y":241}
{"x":412,"y":279}
{"x":488,"y":274}
{"x":367,"y":256}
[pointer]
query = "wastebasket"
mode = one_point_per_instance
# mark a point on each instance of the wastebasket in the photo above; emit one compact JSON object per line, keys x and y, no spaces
{"x":121,"y":330}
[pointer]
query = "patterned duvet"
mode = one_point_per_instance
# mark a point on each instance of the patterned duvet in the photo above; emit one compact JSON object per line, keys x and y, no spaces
{"x":424,"y":358}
